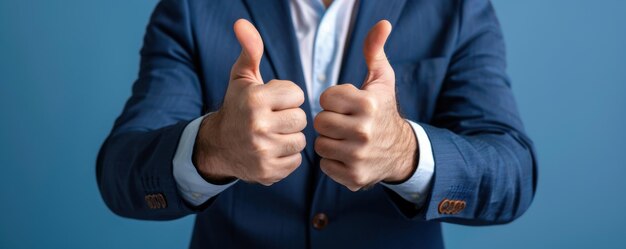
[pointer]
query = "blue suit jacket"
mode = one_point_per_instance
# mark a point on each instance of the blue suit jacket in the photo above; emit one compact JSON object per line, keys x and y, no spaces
{"x":449,"y":60}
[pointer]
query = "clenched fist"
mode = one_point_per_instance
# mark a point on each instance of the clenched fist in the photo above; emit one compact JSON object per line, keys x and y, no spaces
{"x":363,"y":140}
{"x":256,"y":135}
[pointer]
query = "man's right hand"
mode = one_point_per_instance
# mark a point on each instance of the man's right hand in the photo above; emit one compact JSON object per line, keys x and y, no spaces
{"x":256,"y":136}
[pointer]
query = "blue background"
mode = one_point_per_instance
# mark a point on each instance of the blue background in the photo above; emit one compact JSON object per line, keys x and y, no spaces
{"x":66,"y":68}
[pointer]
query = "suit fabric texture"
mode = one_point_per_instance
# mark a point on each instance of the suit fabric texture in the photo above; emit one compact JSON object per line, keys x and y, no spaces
{"x":449,"y":62}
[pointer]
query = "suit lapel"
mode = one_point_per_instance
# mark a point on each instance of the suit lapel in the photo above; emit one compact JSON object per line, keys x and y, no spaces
{"x":353,"y":68}
{"x":273,"y":20}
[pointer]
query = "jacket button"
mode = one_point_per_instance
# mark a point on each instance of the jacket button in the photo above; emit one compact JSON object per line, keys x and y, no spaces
{"x":459,"y":207}
{"x":155,"y":201}
{"x":161,"y":200}
{"x":447,"y":206}
{"x":320,"y":221}
{"x":454,"y":206}
{"x":444,"y":206}
{"x":150,"y":201}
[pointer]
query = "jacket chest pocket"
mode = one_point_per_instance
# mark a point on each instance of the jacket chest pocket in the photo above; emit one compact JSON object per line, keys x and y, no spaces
{"x":418,"y":85}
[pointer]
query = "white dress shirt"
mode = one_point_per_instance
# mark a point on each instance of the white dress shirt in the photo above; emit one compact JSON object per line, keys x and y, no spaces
{"x":321,"y":34}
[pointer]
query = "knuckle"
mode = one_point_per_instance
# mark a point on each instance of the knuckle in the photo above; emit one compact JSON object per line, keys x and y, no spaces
{"x":324,"y":99}
{"x":259,"y":126}
{"x":265,"y":176}
{"x":296,"y":91}
{"x":286,"y":88}
{"x":327,"y":95}
{"x":362,"y":132}
{"x":296,"y":163}
{"x":368,"y":103}
{"x":301,"y":141}
{"x":324,"y":123}
{"x":359,"y":180}
{"x":319,"y":121}
{"x":319,"y":146}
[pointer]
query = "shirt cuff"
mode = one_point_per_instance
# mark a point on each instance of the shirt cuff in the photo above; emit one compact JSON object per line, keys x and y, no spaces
{"x":190,"y":183}
{"x":416,"y":188}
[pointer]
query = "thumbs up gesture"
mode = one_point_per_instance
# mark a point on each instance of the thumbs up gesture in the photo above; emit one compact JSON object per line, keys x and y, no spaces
{"x":363,"y":140}
{"x":256,"y":135}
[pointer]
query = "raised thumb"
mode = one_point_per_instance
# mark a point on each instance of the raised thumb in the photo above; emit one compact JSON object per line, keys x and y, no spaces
{"x":379,"y":69}
{"x":247,"y":65}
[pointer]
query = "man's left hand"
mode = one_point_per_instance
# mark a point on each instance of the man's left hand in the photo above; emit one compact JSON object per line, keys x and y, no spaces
{"x":363,"y":139}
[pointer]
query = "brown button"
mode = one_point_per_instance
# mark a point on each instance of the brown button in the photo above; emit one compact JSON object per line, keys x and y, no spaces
{"x":444,"y":206}
{"x":451,"y":206}
{"x":161,"y":200}
{"x":461,"y":206}
{"x":155,"y":201}
{"x":320,"y":221}
{"x":150,"y":201}
{"x":457,"y":207}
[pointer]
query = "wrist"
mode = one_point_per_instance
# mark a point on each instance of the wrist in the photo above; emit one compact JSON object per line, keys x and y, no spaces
{"x":406,"y":164}
{"x":205,"y":156}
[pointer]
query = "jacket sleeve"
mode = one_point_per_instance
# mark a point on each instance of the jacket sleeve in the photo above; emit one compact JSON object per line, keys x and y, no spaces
{"x":482,"y":155}
{"x":134,"y":165}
